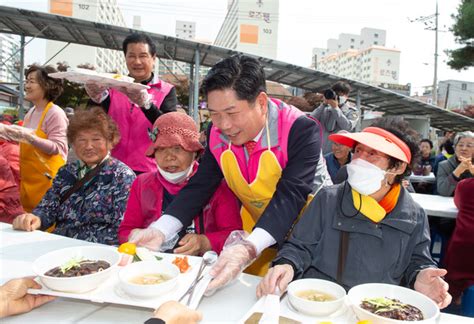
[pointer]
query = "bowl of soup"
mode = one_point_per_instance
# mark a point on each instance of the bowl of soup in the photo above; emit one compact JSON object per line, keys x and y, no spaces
{"x":148,"y":278}
{"x":316,"y":297}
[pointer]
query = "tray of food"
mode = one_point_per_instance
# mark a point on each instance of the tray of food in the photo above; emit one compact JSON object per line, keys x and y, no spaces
{"x":111,"y":80}
{"x":100,"y":274}
{"x":321,"y":301}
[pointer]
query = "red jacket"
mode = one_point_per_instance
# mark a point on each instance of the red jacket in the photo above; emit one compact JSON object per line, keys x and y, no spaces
{"x":10,"y":205}
{"x":221,"y":214}
{"x":459,"y":260}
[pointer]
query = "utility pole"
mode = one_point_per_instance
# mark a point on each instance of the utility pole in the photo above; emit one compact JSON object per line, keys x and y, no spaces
{"x":429,"y":25}
{"x":435,"y":78}
{"x":447,"y":96}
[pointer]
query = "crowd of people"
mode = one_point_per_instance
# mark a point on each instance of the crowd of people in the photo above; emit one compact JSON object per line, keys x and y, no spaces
{"x":275,"y":192}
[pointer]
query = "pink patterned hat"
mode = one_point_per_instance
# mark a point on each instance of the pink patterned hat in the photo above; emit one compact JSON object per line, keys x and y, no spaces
{"x":174,"y":128}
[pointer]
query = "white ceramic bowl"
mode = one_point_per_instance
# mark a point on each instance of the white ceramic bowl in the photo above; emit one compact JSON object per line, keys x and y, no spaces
{"x":408,"y":296}
{"x":316,"y":308}
{"x":148,"y":267}
{"x":80,"y":284}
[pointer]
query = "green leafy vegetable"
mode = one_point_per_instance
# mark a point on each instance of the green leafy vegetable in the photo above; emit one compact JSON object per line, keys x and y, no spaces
{"x":384,"y":304}
{"x":74,"y":262}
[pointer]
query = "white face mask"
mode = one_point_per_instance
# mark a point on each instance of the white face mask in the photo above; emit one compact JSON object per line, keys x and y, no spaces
{"x":176,"y":177}
{"x":364,"y":177}
{"x":342,"y":100}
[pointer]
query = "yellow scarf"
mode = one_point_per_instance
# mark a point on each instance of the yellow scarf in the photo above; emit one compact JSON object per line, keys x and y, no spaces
{"x":373,"y":210}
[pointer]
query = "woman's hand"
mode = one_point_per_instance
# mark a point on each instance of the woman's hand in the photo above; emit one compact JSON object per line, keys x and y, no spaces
{"x":429,"y":282}
{"x":463,"y":166}
{"x":27,"y":222}
{"x":278,"y":276}
{"x":193,"y":244}
{"x":15,"y":299}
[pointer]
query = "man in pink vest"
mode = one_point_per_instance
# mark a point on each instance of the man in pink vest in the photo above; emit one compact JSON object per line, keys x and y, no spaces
{"x":133,"y":110}
{"x":266,"y":150}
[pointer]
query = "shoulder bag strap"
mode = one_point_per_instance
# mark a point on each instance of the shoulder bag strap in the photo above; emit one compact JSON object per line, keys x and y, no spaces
{"x":78,"y":184}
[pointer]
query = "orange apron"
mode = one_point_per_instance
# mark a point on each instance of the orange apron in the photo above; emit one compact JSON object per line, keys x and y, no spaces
{"x":37,"y":169}
{"x":254,"y":196}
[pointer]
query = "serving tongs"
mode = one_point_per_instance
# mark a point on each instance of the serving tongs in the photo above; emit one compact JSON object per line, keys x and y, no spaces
{"x":207,"y":259}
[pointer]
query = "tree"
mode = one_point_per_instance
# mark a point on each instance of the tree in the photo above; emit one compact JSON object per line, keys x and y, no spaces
{"x":73,"y":94}
{"x":463,"y":28}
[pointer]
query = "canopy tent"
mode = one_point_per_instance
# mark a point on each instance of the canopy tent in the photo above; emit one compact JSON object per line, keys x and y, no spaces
{"x":72,"y":30}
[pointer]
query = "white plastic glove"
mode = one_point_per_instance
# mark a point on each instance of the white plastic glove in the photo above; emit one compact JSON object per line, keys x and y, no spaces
{"x":237,"y":254}
{"x":25,"y":135}
{"x":139,"y":97}
{"x":4,"y":134}
{"x":17,"y":133}
{"x":150,"y":237}
{"x":95,"y":91}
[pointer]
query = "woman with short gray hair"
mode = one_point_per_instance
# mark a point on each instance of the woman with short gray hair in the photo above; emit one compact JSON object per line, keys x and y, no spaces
{"x":458,"y":167}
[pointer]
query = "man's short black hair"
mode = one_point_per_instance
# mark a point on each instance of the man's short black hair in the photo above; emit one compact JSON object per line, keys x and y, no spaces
{"x":448,"y":146}
{"x":139,"y":38}
{"x":426,"y":140}
{"x":341,"y":87}
{"x":243,"y":74}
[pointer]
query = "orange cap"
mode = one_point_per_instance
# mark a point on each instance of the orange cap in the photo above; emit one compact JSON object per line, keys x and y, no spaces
{"x":378,"y":139}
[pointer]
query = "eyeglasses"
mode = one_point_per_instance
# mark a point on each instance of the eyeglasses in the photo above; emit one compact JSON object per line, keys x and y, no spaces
{"x":469,"y":145}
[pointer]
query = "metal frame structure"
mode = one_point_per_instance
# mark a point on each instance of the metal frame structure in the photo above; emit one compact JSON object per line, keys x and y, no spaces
{"x":71,"y":30}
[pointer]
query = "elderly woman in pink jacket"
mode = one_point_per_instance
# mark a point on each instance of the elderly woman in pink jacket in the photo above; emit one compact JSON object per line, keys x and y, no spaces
{"x":175,"y":148}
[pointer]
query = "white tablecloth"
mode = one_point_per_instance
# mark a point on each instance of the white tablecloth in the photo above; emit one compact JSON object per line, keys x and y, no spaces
{"x":435,"y":205}
{"x":19,"y":249}
{"x":421,"y":178}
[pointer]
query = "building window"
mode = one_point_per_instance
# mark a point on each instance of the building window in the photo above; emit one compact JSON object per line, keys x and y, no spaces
{"x":376,"y":35}
{"x":352,"y":46}
{"x":352,"y":40}
{"x":376,"y":43}
{"x":464,"y":86}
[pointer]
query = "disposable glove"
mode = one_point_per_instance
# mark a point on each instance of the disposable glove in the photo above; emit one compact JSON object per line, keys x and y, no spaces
{"x":95,"y":91}
{"x":17,"y":133}
{"x":237,"y":254}
{"x":139,"y":97}
{"x":150,"y":237}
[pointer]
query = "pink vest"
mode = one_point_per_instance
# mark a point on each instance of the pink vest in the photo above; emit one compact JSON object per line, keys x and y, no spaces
{"x":133,"y":126}
{"x":280,"y":119}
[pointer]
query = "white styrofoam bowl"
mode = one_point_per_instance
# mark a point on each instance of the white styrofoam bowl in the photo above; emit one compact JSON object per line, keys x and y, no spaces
{"x":79,"y":284}
{"x":408,"y":296}
{"x":316,"y":308}
{"x":148,"y":267}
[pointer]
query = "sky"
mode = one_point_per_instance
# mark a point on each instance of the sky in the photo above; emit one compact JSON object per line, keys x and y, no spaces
{"x":305,"y":24}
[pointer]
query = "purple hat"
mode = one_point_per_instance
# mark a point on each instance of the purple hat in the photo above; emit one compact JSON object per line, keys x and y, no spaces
{"x":173,"y":129}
